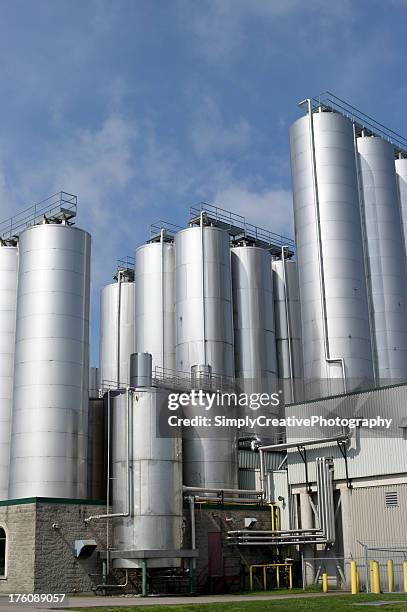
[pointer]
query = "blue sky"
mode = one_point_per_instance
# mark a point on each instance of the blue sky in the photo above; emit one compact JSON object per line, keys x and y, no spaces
{"x":144,"y":107}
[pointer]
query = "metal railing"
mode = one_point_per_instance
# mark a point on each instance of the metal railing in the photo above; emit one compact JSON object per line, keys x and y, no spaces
{"x":170,"y":229}
{"x":56,"y":208}
{"x":239,"y":229}
{"x":364,"y":122}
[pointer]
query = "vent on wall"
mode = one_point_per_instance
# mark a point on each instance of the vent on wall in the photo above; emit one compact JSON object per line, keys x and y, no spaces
{"x":391,"y":499}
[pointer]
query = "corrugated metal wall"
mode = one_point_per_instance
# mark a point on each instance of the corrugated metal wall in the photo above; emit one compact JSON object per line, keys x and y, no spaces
{"x":373,"y":523}
{"x":371,"y":452}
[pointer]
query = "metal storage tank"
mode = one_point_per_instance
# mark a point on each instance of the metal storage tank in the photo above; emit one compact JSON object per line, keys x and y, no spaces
{"x":117,"y":330}
{"x":50,"y":405}
{"x":203,"y":301}
{"x":155,"y":303}
{"x":287,"y":311}
{"x":147,"y":477}
{"x":334,"y":304}
{"x":387,"y":270}
{"x":8,"y":297}
{"x":203,"y":309}
{"x":253,"y":316}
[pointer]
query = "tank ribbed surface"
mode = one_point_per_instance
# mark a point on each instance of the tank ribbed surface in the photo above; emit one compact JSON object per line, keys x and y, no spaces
{"x":50,"y":407}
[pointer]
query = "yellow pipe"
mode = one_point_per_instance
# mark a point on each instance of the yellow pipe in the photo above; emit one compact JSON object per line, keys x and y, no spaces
{"x":273,"y":526}
{"x":390,"y":575}
{"x":278,"y":576}
{"x":325,"y":582}
{"x":405,"y":575}
{"x":374,"y":577}
{"x":354,"y":577}
{"x":265,"y":577}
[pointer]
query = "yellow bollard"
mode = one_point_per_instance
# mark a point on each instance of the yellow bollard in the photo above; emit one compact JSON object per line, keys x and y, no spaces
{"x":354,"y":577}
{"x":405,"y":575}
{"x":390,"y":575}
{"x":325,"y":582}
{"x":374,"y":577}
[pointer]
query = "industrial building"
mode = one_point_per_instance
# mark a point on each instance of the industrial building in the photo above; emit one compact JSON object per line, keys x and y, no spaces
{"x":99,"y":492}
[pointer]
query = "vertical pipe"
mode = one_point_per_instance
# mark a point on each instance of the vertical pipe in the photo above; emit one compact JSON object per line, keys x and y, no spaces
{"x":203,"y":289}
{"x":287,"y":314}
{"x":108,"y":482}
{"x":325,"y":582}
{"x":144,"y":577}
{"x":119,"y":307}
{"x":162,"y":297}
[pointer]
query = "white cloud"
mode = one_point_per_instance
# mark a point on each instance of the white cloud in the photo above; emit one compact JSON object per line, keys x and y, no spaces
{"x":269,"y":209}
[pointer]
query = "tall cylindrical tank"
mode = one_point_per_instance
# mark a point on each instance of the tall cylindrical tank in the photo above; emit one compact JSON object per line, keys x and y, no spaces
{"x":147,"y":477}
{"x":386,"y":256}
{"x":50,"y":405}
{"x":253,"y":316}
{"x":155,"y":303}
{"x":203,"y":303}
{"x":334,"y":305}
{"x":204,"y":319}
{"x":117,"y":340}
{"x":288,"y":328}
{"x":8,"y":296}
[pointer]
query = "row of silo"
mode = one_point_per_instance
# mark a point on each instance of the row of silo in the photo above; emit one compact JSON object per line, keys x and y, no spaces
{"x":44,"y":362}
{"x":198,"y":303}
{"x":351,"y":255}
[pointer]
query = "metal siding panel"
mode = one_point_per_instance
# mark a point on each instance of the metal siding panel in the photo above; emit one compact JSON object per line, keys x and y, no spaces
{"x":370,"y":453}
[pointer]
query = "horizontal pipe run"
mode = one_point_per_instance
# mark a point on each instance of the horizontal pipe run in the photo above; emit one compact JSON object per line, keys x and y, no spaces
{"x":316,"y":441}
{"x":282,"y":531}
{"x":235,"y":500}
{"x":187,"y":489}
{"x":293,"y":543}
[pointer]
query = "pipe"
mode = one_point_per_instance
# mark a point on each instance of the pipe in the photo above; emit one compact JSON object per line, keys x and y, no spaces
{"x":119,"y":308}
{"x":113,"y":586}
{"x":328,"y":358}
{"x":271,"y":532}
{"x":287,"y":315}
{"x":203,"y":287}
{"x":128,"y":511}
{"x":263,"y":483}
{"x":188,"y":489}
{"x":191,"y":500}
{"x":316,"y":441}
{"x":162,"y":301}
{"x":229,"y":500}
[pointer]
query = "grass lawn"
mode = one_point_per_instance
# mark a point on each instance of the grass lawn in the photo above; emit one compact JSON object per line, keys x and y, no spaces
{"x":321,"y":604}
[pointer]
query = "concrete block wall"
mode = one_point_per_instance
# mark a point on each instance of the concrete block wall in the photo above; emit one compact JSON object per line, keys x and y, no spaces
{"x":19,"y":524}
{"x":41,"y":558}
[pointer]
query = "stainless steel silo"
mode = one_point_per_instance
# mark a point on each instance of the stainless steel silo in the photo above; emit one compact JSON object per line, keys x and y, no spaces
{"x":117,"y":331}
{"x":204,"y":327}
{"x":203,"y":301}
{"x":337,"y":352}
{"x":155,"y":303}
{"x":386,"y":257}
{"x":50,"y":404}
{"x":8,"y":298}
{"x":147,"y":478}
{"x":287,"y":311}
{"x":253,"y":316}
